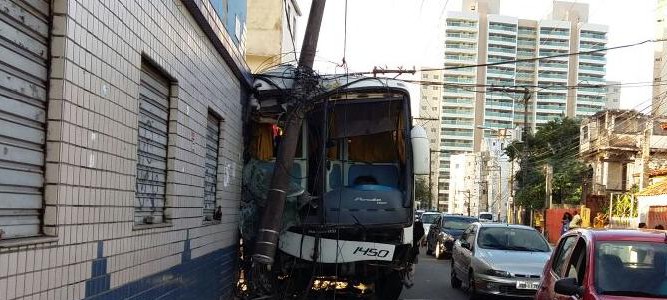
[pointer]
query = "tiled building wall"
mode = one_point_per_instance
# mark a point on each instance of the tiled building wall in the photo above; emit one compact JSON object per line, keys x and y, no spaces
{"x":97,"y":50}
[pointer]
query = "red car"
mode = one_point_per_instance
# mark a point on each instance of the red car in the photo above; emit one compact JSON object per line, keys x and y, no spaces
{"x":606,"y":264}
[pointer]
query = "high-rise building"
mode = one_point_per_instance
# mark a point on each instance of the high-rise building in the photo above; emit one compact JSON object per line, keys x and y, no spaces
{"x":613,"y":95}
{"x":429,"y":118}
{"x":659,"y":106}
{"x":479,"y":35}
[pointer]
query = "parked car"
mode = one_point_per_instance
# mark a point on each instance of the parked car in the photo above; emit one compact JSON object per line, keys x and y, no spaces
{"x":427,"y":219}
{"x":485,"y":217}
{"x":607,"y":264}
{"x":444,"y":231}
{"x":499,"y":259}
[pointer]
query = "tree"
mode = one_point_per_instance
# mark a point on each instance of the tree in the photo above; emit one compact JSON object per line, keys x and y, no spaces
{"x":557,"y":144}
{"x":422,"y":191}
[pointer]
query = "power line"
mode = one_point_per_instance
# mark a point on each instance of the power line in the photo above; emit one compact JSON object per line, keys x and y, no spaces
{"x":534,"y":58}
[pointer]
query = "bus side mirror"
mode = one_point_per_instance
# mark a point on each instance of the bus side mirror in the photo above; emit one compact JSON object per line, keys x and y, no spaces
{"x":421,"y":159}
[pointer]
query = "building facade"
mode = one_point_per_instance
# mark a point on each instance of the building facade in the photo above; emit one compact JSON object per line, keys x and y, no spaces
{"x":271,"y":32}
{"x":429,"y":117}
{"x":474,"y":97}
{"x":621,"y":148}
{"x":499,"y":176}
{"x":121,"y":136}
{"x":468,"y":193}
{"x":659,"y":108}
{"x":613,"y":94}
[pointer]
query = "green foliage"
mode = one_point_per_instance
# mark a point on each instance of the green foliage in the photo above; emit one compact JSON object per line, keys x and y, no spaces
{"x":555,"y":144}
{"x":422,"y":193}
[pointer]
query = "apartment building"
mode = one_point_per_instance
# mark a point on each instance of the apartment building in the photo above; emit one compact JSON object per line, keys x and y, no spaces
{"x":478,"y":34}
{"x":659,"y":107}
{"x":468,"y":191}
{"x":614,"y":94}
{"x":429,"y":117}
{"x":121,"y":142}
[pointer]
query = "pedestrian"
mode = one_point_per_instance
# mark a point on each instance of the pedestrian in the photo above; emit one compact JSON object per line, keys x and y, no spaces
{"x":642,"y":225}
{"x":599,"y":220}
{"x":417,"y":236}
{"x":565,"y":223}
{"x":660,"y":227}
{"x":576,"y":220}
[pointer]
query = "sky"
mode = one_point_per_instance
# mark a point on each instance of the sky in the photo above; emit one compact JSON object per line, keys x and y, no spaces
{"x":407,"y":34}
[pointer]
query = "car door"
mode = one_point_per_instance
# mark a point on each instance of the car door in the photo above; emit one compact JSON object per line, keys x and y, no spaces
{"x":468,"y":252}
{"x":576,"y":266}
{"x":457,"y":254}
{"x":557,"y":266}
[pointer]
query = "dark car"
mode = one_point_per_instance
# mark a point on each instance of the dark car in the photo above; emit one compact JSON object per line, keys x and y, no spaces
{"x":607,"y":264}
{"x":444,"y":231}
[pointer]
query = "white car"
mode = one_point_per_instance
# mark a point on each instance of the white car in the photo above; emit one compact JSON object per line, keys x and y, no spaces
{"x":427,"y":219}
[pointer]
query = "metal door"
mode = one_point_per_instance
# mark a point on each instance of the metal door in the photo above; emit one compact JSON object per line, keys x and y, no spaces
{"x":152,"y":146}
{"x":24,"y":45}
{"x":211,"y":168}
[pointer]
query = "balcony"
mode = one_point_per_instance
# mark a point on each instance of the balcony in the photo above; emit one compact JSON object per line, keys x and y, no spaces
{"x":593,"y":58}
{"x":593,"y":35}
{"x":500,"y":40}
{"x":591,"y":79}
{"x":591,"y":46}
{"x":554,"y":44}
{"x":529,"y":43}
{"x":459,"y":79}
{"x":561,"y":32}
{"x":525,"y":54}
{"x":461,"y":23}
{"x":502,"y":50}
{"x":456,"y":102}
{"x":499,"y":105}
{"x":461,"y":35}
{"x":595,"y":70}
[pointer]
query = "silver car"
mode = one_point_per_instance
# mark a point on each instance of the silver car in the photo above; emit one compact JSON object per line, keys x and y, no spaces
{"x":499,"y":259}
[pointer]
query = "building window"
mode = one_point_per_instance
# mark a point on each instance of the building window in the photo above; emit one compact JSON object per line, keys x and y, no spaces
{"x":435,"y":108}
{"x":211,"y":167}
{"x":423,"y":107}
{"x":435,"y":87}
{"x":434,"y":129}
{"x":153,"y":135}
{"x":433,"y":141}
{"x":424,"y":75}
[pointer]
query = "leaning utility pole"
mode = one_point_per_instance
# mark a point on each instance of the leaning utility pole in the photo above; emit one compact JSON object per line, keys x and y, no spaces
{"x":271,"y":221}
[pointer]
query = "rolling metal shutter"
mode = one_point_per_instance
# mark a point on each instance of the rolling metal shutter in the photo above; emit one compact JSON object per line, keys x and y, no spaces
{"x":24,"y":45}
{"x":152,"y":146}
{"x":211,"y":168}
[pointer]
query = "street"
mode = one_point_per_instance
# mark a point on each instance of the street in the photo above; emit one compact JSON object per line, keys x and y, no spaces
{"x":432,"y":280}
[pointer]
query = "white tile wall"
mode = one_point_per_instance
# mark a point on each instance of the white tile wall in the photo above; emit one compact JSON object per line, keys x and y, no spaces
{"x":97,"y":48}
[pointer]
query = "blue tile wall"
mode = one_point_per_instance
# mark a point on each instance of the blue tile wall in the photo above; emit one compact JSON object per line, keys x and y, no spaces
{"x":207,"y":277}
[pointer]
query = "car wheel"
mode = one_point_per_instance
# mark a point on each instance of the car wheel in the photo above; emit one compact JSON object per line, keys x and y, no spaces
{"x":455,"y":281}
{"x":438,"y":251}
{"x":471,"y":286}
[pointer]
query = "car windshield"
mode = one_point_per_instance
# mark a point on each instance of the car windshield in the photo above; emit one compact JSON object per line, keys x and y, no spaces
{"x":508,"y":238}
{"x":486,"y":216}
{"x":428,"y":218}
{"x":457,"y":223}
{"x":643,"y":265}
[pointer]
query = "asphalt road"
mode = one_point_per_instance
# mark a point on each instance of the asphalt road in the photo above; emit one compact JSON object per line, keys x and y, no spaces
{"x":432,"y":281}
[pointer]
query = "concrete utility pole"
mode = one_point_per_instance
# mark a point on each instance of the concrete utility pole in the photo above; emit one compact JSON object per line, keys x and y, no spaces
{"x":524,"y":154}
{"x":271,"y":221}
